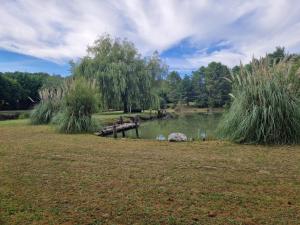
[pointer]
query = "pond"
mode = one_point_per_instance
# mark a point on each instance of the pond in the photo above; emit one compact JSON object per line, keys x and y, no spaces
{"x":189,"y":124}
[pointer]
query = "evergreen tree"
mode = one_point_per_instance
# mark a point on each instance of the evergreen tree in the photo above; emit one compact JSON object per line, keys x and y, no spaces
{"x":199,"y":88}
{"x":218,"y":88}
{"x":174,"y":86}
{"x":186,"y":90}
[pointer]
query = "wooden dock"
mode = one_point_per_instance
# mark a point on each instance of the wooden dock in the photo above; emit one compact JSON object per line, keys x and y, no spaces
{"x":119,"y":127}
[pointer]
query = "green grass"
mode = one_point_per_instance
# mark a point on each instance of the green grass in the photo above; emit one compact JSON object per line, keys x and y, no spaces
{"x":12,"y":112}
{"x":52,"y":178}
{"x":12,"y":123}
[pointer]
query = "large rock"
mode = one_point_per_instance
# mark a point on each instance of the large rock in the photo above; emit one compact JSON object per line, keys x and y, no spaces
{"x":177,"y":137}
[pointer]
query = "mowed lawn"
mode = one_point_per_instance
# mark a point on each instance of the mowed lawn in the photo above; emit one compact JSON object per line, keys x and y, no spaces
{"x":51,"y":178}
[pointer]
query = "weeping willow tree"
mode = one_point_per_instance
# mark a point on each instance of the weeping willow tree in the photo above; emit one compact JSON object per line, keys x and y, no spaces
{"x":49,"y":105}
{"x":125,"y":79}
{"x":266,"y":105}
{"x":78,"y":105}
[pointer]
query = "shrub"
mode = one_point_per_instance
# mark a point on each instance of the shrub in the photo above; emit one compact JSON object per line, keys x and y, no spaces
{"x":50,"y":99}
{"x":78,"y":105}
{"x":265,"y":107}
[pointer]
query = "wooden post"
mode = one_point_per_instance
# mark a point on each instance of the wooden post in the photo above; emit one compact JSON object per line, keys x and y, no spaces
{"x":121,"y":122}
{"x":136,"y":126}
{"x":115,"y":131}
{"x":159,"y":114}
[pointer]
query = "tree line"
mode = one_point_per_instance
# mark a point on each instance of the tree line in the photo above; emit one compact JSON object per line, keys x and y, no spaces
{"x":129,"y":82}
{"x":205,"y":87}
{"x":19,"y":90}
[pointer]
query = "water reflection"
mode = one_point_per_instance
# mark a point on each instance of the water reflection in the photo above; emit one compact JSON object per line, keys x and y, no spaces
{"x":192,"y":125}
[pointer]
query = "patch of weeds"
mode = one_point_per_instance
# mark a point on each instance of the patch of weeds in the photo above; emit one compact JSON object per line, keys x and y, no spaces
{"x":55,"y":210}
{"x":172,"y":220}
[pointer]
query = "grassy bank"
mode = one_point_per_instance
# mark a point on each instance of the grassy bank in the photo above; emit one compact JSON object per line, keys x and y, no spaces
{"x":111,"y":117}
{"x":14,"y":114}
{"x":51,"y":178}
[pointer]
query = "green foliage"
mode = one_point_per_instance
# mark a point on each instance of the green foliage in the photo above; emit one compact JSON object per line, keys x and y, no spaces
{"x":277,"y":55}
{"x":158,"y":92}
{"x":186,"y":90}
{"x":199,"y":87}
{"x":174,"y":85}
{"x":24,"y":115}
{"x":206,"y":87}
{"x":69,"y":105}
{"x":19,"y":90}
{"x":79,"y":103}
{"x":209,"y":86}
{"x":125,"y":80}
{"x":49,"y":105}
{"x":216,"y":85}
{"x":43,"y":112}
{"x":295,"y":70}
{"x":266,"y":105}
{"x":10,"y":93}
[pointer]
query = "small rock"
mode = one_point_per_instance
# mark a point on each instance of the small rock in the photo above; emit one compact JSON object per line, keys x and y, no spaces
{"x":177,"y":137}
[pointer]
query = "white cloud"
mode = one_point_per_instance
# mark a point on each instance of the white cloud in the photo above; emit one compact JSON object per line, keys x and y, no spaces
{"x":61,"y":30}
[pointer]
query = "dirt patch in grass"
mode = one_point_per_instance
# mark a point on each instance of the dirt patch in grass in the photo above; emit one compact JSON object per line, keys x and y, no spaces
{"x":50,"y":178}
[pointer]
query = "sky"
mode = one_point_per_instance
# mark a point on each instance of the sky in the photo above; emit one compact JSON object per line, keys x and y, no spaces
{"x":44,"y":36}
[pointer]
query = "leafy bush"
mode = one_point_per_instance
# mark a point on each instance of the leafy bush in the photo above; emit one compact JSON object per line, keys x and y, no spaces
{"x":48,"y":106}
{"x":265,"y":107}
{"x":78,"y":105}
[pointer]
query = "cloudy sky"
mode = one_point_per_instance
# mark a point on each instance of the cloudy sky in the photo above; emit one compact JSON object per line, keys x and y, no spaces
{"x":37,"y":35}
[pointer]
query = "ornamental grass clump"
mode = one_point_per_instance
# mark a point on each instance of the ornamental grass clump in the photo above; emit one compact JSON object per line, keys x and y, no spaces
{"x":265,"y":107}
{"x":78,"y":105}
{"x":49,"y":105}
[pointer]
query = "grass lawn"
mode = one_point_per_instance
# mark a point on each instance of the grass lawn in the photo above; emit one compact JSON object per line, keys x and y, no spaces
{"x":10,"y":112}
{"x":50,"y":178}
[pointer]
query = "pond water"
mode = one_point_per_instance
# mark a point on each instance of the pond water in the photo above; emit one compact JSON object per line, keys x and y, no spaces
{"x":190,"y":124}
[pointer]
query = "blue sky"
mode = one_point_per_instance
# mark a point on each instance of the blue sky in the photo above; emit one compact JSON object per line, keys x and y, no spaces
{"x":12,"y":61}
{"x":45,"y":36}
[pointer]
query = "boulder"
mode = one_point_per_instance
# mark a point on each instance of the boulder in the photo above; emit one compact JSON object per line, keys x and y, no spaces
{"x":177,"y":137}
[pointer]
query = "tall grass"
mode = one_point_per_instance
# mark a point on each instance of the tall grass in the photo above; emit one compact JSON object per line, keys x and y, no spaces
{"x":50,"y":99}
{"x":265,"y":107}
{"x":78,"y":105}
